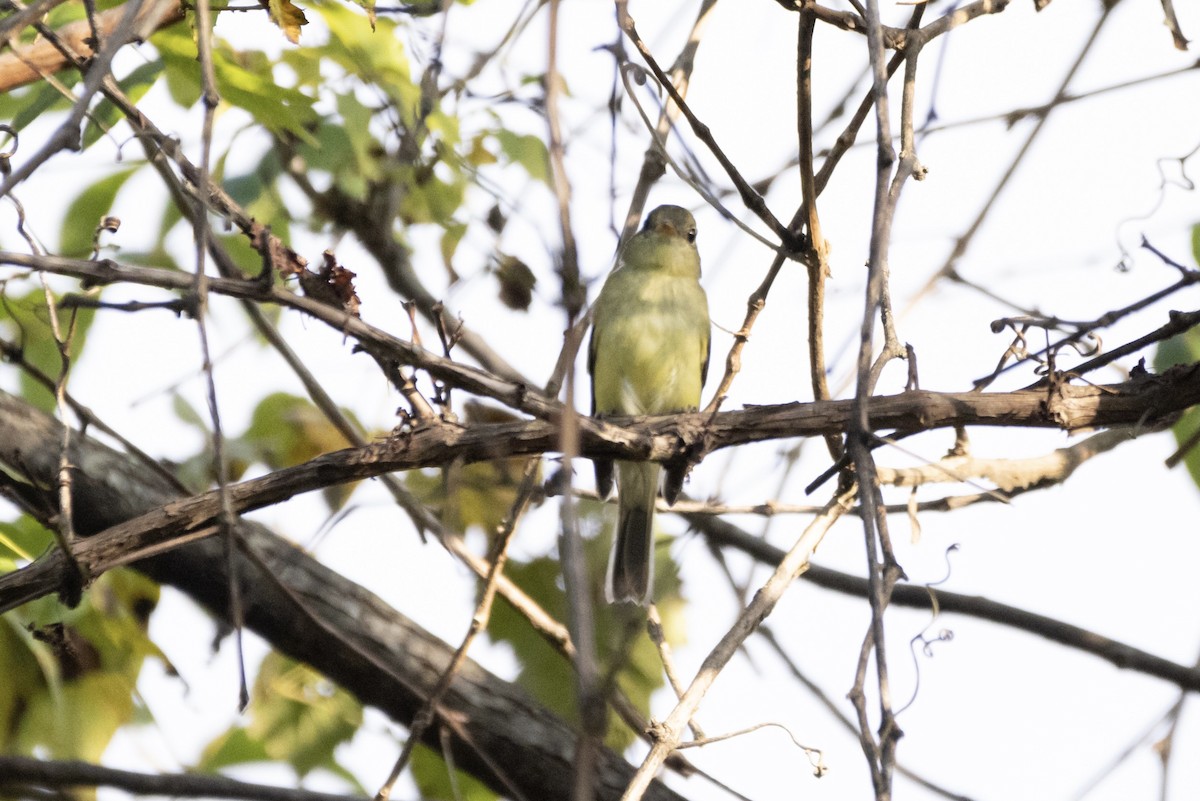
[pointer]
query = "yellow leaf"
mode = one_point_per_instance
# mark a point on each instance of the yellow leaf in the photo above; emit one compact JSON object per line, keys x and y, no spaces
{"x":288,"y":17}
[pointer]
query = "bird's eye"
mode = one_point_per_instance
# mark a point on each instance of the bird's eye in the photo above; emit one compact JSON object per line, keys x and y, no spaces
{"x":691,"y":235}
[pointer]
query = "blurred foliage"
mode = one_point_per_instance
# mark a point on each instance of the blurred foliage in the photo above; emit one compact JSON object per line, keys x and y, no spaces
{"x":336,"y":113}
{"x":1185,"y":349}
{"x":621,"y":639}
{"x":26,"y":324}
{"x":69,"y":675}
{"x":22,"y":541}
{"x":244,"y":79}
{"x":527,"y":150}
{"x":285,"y":430}
{"x":476,"y":495}
{"x":77,"y":238}
{"x":296,"y":717}
{"x":21,"y":107}
{"x":436,"y":782}
{"x":517,"y":282}
{"x":106,"y":115}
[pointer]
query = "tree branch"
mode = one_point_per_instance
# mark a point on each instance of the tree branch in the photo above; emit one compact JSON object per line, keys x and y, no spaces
{"x":25,"y":774}
{"x":1145,"y":401}
{"x":916,"y":596}
{"x":315,"y":615}
{"x":34,"y":61}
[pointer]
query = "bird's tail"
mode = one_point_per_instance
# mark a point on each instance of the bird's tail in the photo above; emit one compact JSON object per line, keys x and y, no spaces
{"x":631,"y":567}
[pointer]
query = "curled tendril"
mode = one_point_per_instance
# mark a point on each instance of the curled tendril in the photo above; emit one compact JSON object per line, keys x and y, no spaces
{"x":927,"y":642}
{"x":6,"y":155}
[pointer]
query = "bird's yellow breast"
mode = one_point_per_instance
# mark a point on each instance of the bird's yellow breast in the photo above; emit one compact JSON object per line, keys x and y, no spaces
{"x":650,"y":343}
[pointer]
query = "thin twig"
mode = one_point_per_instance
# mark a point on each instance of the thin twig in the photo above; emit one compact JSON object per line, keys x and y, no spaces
{"x":763,"y":602}
{"x":882,"y":569}
{"x":750,"y":197}
{"x":962,"y":243}
{"x":573,"y":292}
{"x":203,"y":233}
{"x":66,"y":135}
{"x":818,"y":256}
{"x":64,"y":528}
{"x":654,"y":628}
{"x":25,"y":773}
{"x":479,"y":620}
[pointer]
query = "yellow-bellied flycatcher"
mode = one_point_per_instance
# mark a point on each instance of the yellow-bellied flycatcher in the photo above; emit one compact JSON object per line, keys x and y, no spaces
{"x":648,"y":355}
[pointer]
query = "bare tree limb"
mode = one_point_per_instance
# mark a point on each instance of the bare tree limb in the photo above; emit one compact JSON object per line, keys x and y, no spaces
{"x":25,"y":774}
{"x":315,"y":615}
{"x":41,"y":57}
{"x":793,"y":564}
{"x":914,"y":596}
{"x":1145,"y":401}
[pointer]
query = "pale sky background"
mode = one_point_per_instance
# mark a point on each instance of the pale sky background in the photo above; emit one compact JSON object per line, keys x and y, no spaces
{"x":998,"y":714}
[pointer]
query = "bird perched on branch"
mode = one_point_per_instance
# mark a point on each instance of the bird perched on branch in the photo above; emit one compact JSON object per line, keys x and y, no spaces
{"x":648,"y":355}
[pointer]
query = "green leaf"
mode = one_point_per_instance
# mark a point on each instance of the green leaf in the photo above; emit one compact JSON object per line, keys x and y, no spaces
{"x":30,"y":104}
{"x":178,"y":51}
{"x":81,"y":720}
{"x":73,"y":672}
{"x":86,"y":211}
{"x":246,"y":82}
{"x":158,"y":254}
{"x":449,"y":245}
{"x":1180,"y":349}
{"x":430,"y":197}
{"x":105,"y":115}
{"x":23,"y":679}
{"x":305,"y":64}
{"x":188,"y":414}
{"x":23,"y":539}
{"x":116,"y":622}
{"x":374,"y":54}
{"x":296,"y":716}
{"x":479,"y":494}
{"x":244,"y":256}
{"x":257,"y":191}
{"x":244,"y":79}
{"x":234,"y":747}
{"x":345,"y":148}
{"x":329,"y":150}
{"x":446,"y":126}
{"x":25,"y":320}
{"x":527,"y":150}
{"x":357,"y":120}
{"x":479,"y":154}
{"x":1183,"y":349}
{"x":286,"y":430}
{"x":1185,"y":430}
{"x":620,"y":636}
{"x":64,"y":14}
{"x":436,"y":783}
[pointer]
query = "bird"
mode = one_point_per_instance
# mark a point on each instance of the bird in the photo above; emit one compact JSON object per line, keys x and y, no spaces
{"x":648,"y":354}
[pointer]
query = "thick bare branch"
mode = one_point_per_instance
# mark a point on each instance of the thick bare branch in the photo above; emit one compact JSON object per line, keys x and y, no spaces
{"x":34,"y":61}
{"x":915,"y":596}
{"x":36,"y":776}
{"x":1144,"y":401}
{"x":313,"y":614}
